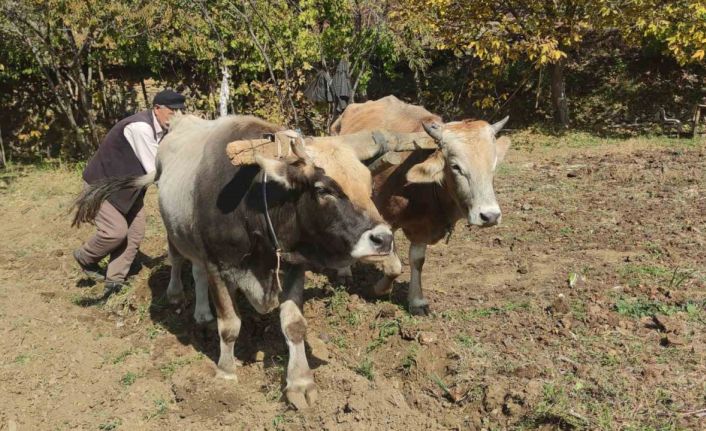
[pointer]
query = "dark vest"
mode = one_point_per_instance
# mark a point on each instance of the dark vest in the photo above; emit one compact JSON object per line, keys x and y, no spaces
{"x":116,"y":158}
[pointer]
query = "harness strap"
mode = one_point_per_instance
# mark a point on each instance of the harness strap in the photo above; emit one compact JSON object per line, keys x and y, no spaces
{"x":271,"y":230}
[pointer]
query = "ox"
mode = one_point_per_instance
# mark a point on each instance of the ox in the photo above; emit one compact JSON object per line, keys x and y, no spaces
{"x":237,"y":224}
{"x":425,"y":195}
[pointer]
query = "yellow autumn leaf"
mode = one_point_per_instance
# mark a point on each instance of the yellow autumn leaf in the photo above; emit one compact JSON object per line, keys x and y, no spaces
{"x":698,"y":55}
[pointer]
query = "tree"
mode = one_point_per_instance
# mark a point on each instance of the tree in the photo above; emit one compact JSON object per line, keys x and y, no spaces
{"x":64,"y":38}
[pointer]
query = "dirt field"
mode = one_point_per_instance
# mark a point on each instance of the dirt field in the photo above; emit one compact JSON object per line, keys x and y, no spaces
{"x":586,"y":310}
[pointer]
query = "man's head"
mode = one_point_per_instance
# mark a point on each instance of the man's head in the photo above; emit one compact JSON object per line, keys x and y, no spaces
{"x":165,"y":103}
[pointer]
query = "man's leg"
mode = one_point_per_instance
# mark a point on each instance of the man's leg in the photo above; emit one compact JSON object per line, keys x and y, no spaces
{"x":111,"y":231}
{"x":121,"y":258}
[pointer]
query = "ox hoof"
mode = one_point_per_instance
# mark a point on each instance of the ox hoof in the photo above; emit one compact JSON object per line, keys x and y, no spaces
{"x":227,"y":371}
{"x":175,"y":298}
{"x":203,"y":317}
{"x":419,"y":309}
{"x":225,"y":375}
{"x":303,"y":396}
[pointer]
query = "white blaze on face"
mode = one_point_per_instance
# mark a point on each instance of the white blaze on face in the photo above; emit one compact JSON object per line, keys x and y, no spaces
{"x":374,"y":242}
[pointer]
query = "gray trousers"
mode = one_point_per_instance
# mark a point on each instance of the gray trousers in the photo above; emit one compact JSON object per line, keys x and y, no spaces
{"x":118,"y":236}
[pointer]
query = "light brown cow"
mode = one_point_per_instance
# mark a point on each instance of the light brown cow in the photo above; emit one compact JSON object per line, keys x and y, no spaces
{"x":427,"y":193}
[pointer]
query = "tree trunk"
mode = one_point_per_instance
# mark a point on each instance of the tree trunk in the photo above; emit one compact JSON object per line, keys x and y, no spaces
{"x":559,"y":102}
{"x":3,"y":160}
{"x":144,"y":93}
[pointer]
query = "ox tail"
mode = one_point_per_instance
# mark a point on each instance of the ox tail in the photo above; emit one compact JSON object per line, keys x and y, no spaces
{"x":89,"y":201}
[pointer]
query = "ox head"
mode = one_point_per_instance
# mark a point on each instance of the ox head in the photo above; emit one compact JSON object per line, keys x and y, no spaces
{"x":466,"y":160}
{"x":334,"y":207}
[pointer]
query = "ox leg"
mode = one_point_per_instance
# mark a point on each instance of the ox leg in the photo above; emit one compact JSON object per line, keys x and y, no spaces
{"x":175,"y":290}
{"x":202,"y":310}
{"x":228,"y":323}
{"x":418,"y":305}
{"x":301,"y":390}
{"x":344,"y":275}
{"x":392,"y":268}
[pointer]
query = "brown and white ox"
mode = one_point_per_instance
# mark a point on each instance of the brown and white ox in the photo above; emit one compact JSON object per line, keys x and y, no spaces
{"x":231,"y":222}
{"x":427,"y":193}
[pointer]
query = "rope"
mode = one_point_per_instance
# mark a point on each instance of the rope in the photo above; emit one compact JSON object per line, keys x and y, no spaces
{"x":278,"y":249}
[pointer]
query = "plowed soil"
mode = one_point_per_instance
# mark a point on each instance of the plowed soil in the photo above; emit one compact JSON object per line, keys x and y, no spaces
{"x":585,"y":309}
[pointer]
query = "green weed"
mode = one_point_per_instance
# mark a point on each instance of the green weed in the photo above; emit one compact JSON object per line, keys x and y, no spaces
{"x":160,"y":407}
{"x":387,"y":329}
{"x":365,"y":369}
{"x":339,"y":341}
{"x":410,"y":360}
{"x":122,"y":356}
{"x":128,"y":379}
{"x":110,"y":426}
{"x":171,"y":367}
{"x":641,"y":307}
{"x":21,"y":359}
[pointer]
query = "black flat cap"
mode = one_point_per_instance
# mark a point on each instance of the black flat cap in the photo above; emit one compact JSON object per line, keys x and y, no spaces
{"x":170,"y":99}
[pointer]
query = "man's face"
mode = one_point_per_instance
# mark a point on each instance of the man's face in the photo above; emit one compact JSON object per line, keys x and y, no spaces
{"x":163,"y":115}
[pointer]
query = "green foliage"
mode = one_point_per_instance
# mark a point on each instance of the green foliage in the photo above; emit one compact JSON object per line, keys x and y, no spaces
{"x":70,"y":69}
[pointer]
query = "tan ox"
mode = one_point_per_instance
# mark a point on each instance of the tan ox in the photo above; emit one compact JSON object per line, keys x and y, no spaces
{"x":427,"y":193}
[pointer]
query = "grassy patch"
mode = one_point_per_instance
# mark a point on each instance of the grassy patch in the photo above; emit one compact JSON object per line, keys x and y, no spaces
{"x":339,"y":341}
{"x":387,"y":328}
{"x":279,"y":421}
{"x":365,"y":369}
{"x":410,"y":360}
{"x":484,"y":312}
{"x":556,"y":409}
{"x":466,"y":341}
{"x":642,"y":307}
{"x":110,"y":425}
{"x":634,"y":275}
{"x":154,"y":331}
{"x":123,"y":355}
{"x":160,"y":408}
{"x":21,"y":359}
{"x":171,"y":367}
{"x":443,"y":386}
{"x":128,"y":378}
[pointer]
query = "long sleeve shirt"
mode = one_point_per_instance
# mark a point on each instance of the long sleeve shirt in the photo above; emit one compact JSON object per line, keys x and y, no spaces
{"x":143,"y":141}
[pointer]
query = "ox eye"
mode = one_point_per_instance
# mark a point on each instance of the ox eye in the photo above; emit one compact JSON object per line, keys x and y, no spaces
{"x":456,"y":168}
{"x":323,"y":192}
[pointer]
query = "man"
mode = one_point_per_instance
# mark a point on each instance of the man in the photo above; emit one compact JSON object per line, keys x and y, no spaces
{"x":129,"y":148}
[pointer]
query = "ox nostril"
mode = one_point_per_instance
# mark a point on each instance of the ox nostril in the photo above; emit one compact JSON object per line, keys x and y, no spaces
{"x":490,"y":218}
{"x":381,"y":241}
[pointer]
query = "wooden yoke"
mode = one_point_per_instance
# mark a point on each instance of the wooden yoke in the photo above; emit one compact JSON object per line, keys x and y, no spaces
{"x":367,"y":145}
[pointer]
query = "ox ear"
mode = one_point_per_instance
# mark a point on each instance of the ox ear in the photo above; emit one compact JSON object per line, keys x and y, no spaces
{"x":429,"y":171}
{"x":276,"y":170}
{"x":502,"y":144}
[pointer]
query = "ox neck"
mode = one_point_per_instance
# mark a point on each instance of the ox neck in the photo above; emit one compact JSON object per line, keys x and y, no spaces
{"x":448,"y":219}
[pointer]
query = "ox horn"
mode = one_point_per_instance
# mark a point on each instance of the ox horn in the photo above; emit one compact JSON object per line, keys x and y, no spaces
{"x":500,"y":124}
{"x":433,"y":129}
{"x":299,"y":150}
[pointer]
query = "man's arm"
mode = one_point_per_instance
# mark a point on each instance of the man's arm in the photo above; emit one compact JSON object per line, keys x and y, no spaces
{"x":141,"y":139}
